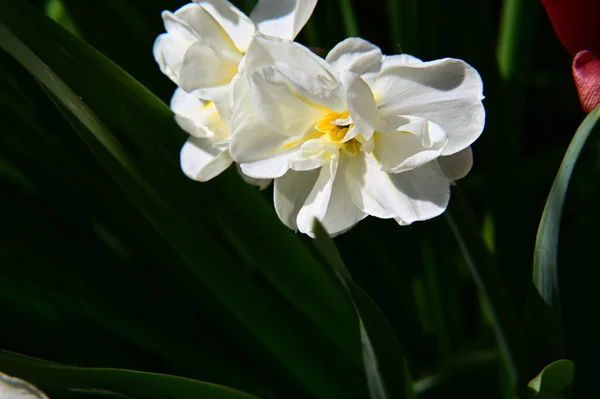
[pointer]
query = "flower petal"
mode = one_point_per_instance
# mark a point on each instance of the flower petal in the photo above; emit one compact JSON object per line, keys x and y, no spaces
{"x":361,"y":104}
{"x":201,"y":160}
{"x":237,"y":25}
{"x":458,"y":165}
{"x":282,"y":18}
{"x":168,"y":53}
{"x":197,"y":117}
{"x":586,"y":72}
{"x":290,"y":192}
{"x":267,"y":50}
{"x":208,"y":30}
{"x":411,"y":196}
{"x":358,"y":56}
{"x":329,"y":202}
{"x":414,"y":143}
{"x":262,"y":152}
{"x":260,"y":183}
{"x":447,"y":92}
{"x":204,"y":68}
{"x":15,"y":388}
{"x":576,"y":23}
{"x":290,"y":100}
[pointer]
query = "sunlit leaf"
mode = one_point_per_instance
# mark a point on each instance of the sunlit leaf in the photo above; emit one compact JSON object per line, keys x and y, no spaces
{"x":545,"y":266}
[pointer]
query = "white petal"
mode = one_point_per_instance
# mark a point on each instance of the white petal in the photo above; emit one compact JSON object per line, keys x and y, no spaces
{"x":237,"y":25}
{"x":168,"y":53}
{"x":290,"y":192}
{"x":418,"y":194}
{"x":260,"y":183}
{"x":414,"y":143}
{"x":358,"y":56}
{"x":201,"y":160}
{"x":457,"y":165}
{"x":203,"y":67}
{"x":447,"y":92}
{"x":208,"y":30}
{"x":361,"y":104}
{"x":329,"y":202}
{"x":282,"y":18}
{"x":263,"y":153}
{"x":292,"y":103}
{"x":15,"y":388}
{"x":266,"y":50}
{"x":401,"y":59}
{"x":199,"y":118}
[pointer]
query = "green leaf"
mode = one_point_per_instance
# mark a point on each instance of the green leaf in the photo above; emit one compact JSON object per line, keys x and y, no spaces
{"x":137,"y":384}
{"x":555,"y":377}
{"x":545,"y":267}
{"x":484,"y":270}
{"x":133,"y":136}
{"x":383,"y":359}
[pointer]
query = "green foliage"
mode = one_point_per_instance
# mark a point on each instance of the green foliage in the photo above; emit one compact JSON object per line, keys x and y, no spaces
{"x":132,"y":281}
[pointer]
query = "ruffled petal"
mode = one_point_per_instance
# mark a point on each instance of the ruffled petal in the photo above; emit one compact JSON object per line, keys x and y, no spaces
{"x":411,"y":196}
{"x":266,"y":50}
{"x":458,"y":165}
{"x":361,"y":104}
{"x":290,"y":100}
{"x":447,"y":92}
{"x":329,"y":202}
{"x":282,"y":18}
{"x":414,"y":143}
{"x":586,"y":72}
{"x":235,"y":23}
{"x":358,"y":56}
{"x":197,"y":117}
{"x":201,"y":160}
{"x":290,"y":192}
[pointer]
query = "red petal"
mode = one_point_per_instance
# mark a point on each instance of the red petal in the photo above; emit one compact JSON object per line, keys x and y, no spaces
{"x":576,"y":23}
{"x":586,"y":72}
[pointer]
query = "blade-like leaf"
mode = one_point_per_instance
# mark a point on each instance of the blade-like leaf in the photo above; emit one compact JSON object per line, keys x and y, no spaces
{"x":164,"y":200}
{"x":383,"y":360}
{"x":484,"y":269}
{"x":139,"y":385}
{"x":545,"y":267}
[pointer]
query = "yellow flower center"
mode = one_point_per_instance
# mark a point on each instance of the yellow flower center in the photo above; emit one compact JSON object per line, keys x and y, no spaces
{"x":327,"y":131}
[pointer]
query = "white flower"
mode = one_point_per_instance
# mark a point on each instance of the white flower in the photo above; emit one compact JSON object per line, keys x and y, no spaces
{"x":356,"y":134}
{"x":201,"y":52}
{"x":15,"y":388}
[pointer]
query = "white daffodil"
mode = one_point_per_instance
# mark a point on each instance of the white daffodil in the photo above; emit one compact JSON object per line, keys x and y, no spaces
{"x":356,"y":134}
{"x":15,"y":388}
{"x":201,"y":53}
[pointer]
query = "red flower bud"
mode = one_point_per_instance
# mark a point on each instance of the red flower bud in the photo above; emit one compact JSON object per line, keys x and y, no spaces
{"x":576,"y":23}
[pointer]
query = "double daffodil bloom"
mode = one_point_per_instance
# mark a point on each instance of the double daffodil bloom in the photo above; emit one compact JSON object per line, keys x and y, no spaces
{"x":201,"y":52}
{"x":355,"y":134}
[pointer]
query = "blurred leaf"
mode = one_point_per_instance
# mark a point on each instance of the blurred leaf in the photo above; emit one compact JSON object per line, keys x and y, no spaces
{"x":545,"y":266}
{"x":484,"y":270}
{"x":137,"y":141}
{"x":385,"y":368}
{"x":139,"y":385}
{"x":550,"y":382}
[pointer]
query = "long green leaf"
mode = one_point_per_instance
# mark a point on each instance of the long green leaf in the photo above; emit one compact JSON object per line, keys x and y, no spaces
{"x":484,"y":269}
{"x":545,"y":267}
{"x":383,"y":360}
{"x":191,"y":243}
{"x":137,"y":384}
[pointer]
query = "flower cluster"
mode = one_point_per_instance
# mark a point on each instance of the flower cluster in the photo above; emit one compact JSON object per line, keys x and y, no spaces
{"x":355,"y":134}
